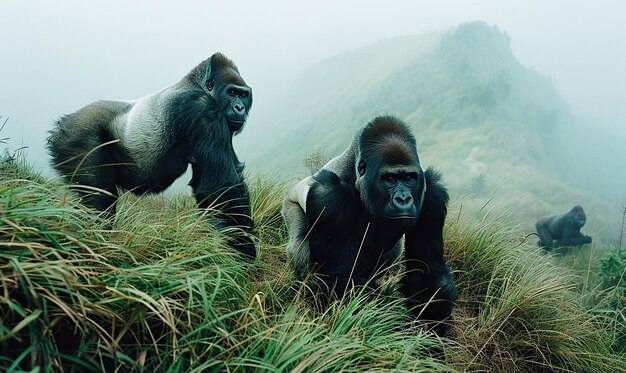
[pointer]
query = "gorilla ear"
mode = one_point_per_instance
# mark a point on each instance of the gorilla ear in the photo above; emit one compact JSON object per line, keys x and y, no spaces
{"x":203,"y":74}
{"x":361,"y":168}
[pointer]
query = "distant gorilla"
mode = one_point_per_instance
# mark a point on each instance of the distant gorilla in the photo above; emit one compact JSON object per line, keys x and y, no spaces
{"x":346,"y":222}
{"x":562,"y":229}
{"x":146,"y":144}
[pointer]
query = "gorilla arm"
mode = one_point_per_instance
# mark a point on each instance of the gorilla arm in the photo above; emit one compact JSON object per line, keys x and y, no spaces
{"x":217,"y":180}
{"x":571,"y":234}
{"x":293,"y":211}
{"x":428,"y":284}
{"x":573,"y":241}
{"x":294,"y":207}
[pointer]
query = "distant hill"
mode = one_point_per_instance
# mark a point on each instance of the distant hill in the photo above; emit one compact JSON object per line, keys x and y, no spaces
{"x":493,"y":126}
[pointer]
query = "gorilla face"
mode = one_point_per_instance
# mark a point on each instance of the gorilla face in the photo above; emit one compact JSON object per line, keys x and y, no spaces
{"x":399,"y":183}
{"x":581,"y":220}
{"x":237,"y":101}
{"x":579,"y":216}
{"x":392,"y":193}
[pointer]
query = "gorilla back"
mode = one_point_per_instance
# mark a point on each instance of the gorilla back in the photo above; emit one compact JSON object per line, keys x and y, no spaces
{"x":347,"y":221}
{"x":146,"y":144}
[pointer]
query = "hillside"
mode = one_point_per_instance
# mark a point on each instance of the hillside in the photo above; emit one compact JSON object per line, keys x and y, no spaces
{"x":157,"y":290}
{"x":497,"y":130}
{"x":440,"y":82}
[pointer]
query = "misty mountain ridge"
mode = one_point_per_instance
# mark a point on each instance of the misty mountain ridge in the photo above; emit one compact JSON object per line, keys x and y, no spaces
{"x":462,"y":79}
{"x":491,"y":125}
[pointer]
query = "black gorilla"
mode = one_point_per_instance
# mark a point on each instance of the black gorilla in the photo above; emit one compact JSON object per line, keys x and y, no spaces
{"x":562,"y":229}
{"x":347,"y":221}
{"x":146,"y":144}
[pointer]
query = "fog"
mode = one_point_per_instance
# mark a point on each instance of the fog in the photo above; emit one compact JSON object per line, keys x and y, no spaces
{"x":59,"y":56}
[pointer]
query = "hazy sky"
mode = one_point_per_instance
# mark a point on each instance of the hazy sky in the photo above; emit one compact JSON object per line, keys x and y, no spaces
{"x":57,"y":56}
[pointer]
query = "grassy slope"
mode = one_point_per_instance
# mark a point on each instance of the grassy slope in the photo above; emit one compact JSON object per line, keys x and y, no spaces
{"x":158,"y":291}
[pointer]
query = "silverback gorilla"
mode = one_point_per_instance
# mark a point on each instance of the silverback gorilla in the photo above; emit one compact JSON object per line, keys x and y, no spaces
{"x":562,"y":229}
{"x":146,"y":144}
{"x":346,"y":222}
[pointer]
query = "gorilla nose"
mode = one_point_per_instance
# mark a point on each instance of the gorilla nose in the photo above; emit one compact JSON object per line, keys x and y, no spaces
{"x":240,"y":109}
{"x":402,"y":201}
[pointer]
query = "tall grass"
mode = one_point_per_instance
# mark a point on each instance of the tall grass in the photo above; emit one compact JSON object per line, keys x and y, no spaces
{"x":621,"y":232}
{"x":518,"y":310}
{"x":159,"y":290}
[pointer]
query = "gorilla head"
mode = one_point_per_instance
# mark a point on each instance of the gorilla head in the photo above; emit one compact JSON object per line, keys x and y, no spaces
{"x":579,"y":216}
{"x":389,"y":177}
{"x":233,"y":97}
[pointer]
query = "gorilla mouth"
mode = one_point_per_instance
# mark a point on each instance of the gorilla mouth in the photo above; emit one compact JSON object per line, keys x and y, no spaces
{"x":399,"y":217}
{"x":235,"y":124}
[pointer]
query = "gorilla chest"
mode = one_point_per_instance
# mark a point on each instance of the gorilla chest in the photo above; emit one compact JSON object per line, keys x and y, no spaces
{"x":156,"y":176}
{"x":357,"y":247}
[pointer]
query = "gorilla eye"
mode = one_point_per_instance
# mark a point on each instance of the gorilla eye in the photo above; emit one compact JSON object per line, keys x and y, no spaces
{"x":361,"y":168}
{"x":210,"y":84}
{"x":388,"y":177}
{"x":409,"y":176}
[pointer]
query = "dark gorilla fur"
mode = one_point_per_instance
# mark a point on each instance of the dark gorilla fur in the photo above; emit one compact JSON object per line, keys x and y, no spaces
{"x":146,"y":144}
{"x":347,"y":221}
{"x":562,"y":229}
